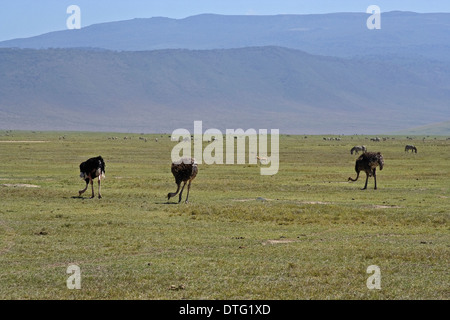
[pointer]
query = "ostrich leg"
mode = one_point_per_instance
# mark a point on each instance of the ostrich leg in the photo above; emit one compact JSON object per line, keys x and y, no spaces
{"x":375,"y":178}
{"x":189,"y":187}
{"x":367,"y":179}
{"x":99,"y":187}
{"x":92,"y":187}
{"x":181,"y":192}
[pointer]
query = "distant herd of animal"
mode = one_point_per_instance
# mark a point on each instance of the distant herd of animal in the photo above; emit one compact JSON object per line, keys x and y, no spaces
{"x":186,"y":169}
{"x":357,"y":149}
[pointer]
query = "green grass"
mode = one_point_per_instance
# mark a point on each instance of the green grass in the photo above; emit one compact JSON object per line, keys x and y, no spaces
{"x":304,"y":233}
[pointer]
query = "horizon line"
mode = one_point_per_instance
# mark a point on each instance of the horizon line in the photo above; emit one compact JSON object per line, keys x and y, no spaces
{"x":225,"y":15}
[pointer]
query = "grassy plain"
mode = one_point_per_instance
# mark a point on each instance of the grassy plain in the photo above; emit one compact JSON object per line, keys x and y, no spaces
{"x":304,"y":233}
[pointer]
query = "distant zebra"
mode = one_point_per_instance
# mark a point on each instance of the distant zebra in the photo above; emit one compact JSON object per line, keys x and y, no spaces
{"x":358,"y":149}
{"x":410,"y":147}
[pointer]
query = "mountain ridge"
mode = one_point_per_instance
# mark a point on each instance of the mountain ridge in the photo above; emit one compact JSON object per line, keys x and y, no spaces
{"x":334,"y":34}
{"x":325,"y":73}
{"x":257,"y":87}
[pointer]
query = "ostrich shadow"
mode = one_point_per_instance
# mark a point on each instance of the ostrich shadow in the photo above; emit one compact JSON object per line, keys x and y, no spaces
{"x":82,"y":198}
{"x":167,"y":202}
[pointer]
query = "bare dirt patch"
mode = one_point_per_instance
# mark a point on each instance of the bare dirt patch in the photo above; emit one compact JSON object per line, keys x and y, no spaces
{"x":278,"y":241}
{"x":313,"y":202}
{"x":265,"y":199}
{"x":252,"y":199}
{"x":20,"y":185}
{"x":24,"y":141}
{"x":385,"y":206}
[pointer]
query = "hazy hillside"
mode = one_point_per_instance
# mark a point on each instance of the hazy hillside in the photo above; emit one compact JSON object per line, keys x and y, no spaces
{"x":434,"y":129}
{"x":260,"y":87}
{"x":337,"y":34}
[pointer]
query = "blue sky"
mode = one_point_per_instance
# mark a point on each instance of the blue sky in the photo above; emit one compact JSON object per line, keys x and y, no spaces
{"x":25,"y":18}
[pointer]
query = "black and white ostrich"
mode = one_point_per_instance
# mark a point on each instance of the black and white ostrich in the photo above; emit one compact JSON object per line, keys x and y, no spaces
{"x":184,"y":170}
{"x":368,"y":162}
{"x":91,"y":169}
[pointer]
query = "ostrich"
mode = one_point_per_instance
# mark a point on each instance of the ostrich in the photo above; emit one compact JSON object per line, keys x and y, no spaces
{"x":357,"y":149}
{"x":410,"y":147}
{"x":368,"y":162}
{"x":184,"y":170}
{"x":91,"y":169}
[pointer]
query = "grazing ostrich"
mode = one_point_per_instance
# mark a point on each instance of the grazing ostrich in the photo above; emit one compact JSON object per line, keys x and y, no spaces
{"x":368,"y":162}
{"x":184,"y":170}
{"x":91,"y":169}
{"x":357,"y":149}
{"x":410,"y":147}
